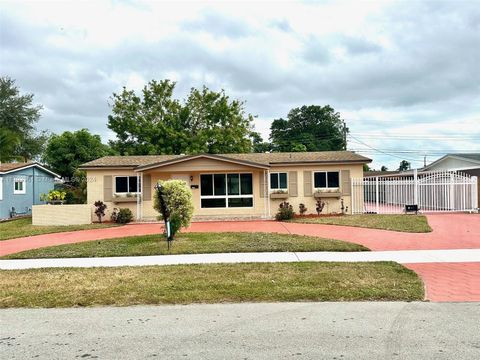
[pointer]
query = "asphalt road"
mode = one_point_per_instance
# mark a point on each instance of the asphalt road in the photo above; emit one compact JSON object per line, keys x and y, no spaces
{"x":245,"y":331}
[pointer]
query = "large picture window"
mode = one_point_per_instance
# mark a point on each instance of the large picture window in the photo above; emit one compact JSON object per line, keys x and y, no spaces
{"x":226,"y":190}
{"x":326,"y":179}
{"x":278,"y":181}
{"x":126,"y":184}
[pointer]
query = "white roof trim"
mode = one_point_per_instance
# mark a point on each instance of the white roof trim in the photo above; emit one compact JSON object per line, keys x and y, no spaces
{"x":29,"y":166}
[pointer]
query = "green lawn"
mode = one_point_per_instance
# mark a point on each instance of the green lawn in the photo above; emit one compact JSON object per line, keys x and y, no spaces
{"x":183,"y":284}
{"x":23,"y":227}
{"x":404,"y":223}
{"x":190,"y":243}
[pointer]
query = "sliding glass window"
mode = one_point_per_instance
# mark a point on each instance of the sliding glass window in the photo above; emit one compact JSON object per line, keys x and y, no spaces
{"x":226,"y":190}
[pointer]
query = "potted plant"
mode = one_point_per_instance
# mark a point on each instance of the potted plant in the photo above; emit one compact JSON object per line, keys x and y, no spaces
{"x":54,"y":197}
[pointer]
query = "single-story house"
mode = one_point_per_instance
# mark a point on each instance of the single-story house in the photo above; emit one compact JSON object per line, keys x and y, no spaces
{"x":465,"y":163}
{"x":228,"y":185}
{"x":21,"y":185}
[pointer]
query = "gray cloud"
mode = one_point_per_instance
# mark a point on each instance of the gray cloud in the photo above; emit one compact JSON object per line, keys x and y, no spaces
{"x":282,"y":24}
{"x":358,"y":46}
{"x":218,"y":25}
{"x":426,"y":71}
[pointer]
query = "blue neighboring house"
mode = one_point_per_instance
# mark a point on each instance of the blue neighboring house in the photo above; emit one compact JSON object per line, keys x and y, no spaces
{"x":21,"y":185}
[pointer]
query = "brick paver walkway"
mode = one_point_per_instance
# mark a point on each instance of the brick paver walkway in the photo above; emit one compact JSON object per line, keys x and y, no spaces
{"x":450,"y":231}
{"x":450,"y":281}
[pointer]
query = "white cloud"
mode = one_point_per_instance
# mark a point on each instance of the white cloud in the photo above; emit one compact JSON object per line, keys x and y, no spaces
{"x":391,"y":68}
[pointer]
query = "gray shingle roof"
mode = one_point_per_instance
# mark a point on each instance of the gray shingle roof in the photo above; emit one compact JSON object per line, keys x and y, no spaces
{"x":471,"y":156}
{"x":259,"y":158}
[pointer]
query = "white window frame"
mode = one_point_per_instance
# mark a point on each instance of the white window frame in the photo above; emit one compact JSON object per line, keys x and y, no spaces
{"x":1,"y":188}
{"x":278,"y":175}
{"x":24,"y":186}
{"x":128,"y":183}
{"x":226,"y":196}
{"x":326,"y":178}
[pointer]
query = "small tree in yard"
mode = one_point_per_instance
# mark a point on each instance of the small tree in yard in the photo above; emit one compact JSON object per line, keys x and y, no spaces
{"x":178,"y":203}
{"x":302,"y":209}
{"x":320,"y":205}
{"x":100,"y":209}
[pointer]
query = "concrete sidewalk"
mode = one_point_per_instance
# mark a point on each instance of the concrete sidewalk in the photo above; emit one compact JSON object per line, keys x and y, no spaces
{"x":402,"y":257}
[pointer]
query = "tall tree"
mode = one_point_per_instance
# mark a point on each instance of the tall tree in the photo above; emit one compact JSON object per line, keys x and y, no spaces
{"x":259,"y":146}
{"x":65,"y":152}
{"x":18,"y":117}
{"x":404,"y":165}
{"x":215,"y":124}
{"x":157,"y":123}
{"x":9,"y":140}
{"x":309,"y":128}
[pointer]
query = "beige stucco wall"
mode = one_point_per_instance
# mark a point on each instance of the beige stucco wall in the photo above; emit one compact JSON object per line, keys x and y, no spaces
{"x":195,"y":168}
{"x":95,"y":190}
{"x":61,"y":214}
{"x":332,"y":205}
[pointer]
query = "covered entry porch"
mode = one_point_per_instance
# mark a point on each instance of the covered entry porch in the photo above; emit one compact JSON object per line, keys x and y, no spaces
{"x":221,"y":188}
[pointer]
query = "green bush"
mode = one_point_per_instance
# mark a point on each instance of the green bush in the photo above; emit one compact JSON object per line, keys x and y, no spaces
{"x":124,"y":216}
{"x":178,"y":199}
{"x":285,"y":212}
{"x":53,"y":196}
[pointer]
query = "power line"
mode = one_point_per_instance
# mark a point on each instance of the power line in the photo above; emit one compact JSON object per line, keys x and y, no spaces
{"x":421,"y":152}
{"x":385,"y":153}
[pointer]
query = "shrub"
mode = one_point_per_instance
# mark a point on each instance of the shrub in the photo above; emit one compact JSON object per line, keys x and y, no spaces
{"x":285,"y":212}
{"x":113,"y":215}
{"x":302,"y":209}
{"x":100,"y":209}
{"x":124,"y":216}
{"x":320,"y":205}
{"x":53,"y":196}
{"x":74,"y":194}
{"x":179,"y":203}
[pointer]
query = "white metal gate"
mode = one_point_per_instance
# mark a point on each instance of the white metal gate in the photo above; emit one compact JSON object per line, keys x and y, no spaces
{"x":438,"y":191}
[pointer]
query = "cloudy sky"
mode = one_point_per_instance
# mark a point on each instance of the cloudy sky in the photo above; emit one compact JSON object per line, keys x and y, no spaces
{"x":404,"y":75}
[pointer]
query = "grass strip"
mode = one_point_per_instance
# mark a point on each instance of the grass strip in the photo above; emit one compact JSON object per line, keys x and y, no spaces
{"x":185,"y":284}
{"x":403,"y":223}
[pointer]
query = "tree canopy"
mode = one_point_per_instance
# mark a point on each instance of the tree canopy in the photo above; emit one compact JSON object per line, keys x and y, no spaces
{"x":65,"y":152}
{"x":404,"y":165}
{"x":309,"y":128}
{"x":19,"y":138}
{"x":157,"y":123}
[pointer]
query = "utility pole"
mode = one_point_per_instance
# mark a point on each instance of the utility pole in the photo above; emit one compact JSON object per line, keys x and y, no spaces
{"x":345,"y":135}
{"x":424,"y":160}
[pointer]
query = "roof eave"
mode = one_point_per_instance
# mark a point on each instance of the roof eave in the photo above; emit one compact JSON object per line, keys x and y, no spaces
{"x":193,"y":157}
{"x":321,"y":162}
{"x":34,"y":164}
{"x":96,"y":167}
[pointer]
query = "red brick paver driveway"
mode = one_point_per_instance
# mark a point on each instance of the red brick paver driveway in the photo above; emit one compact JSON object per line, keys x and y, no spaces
{"x":444,"y":282}
{"x":450,"y":281}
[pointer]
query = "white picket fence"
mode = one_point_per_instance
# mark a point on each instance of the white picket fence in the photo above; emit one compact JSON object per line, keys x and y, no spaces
{"x":439,"y":191}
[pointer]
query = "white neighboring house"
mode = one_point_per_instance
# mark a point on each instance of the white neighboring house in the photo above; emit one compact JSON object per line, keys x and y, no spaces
{"x":465,"y":163}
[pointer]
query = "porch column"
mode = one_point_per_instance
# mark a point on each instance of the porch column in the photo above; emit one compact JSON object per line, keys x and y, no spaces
{"x":267,"y":193}
{"x":139,"y":196}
